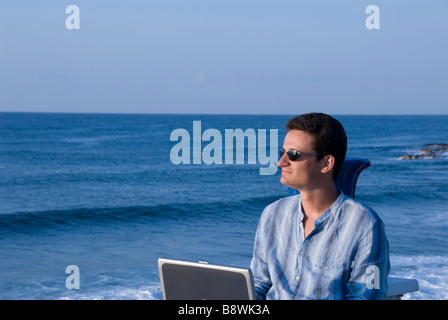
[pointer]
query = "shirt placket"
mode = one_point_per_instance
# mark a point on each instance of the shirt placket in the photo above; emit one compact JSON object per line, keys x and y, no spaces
{"x":301,"y":253}
{"x":304,"y":247}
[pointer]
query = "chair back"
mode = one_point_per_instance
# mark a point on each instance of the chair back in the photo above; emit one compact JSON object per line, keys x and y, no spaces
{"x":348,"y":177}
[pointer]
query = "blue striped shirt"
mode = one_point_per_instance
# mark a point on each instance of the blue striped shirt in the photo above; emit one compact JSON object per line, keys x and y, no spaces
{"x":346,"y":256}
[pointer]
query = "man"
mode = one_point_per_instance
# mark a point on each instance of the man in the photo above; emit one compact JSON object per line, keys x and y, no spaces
{"x":319,"y":244}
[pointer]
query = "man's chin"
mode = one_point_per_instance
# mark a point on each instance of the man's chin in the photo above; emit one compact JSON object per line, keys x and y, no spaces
{"x":286,"y":183}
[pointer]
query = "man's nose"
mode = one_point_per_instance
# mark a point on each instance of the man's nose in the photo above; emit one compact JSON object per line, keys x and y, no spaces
{"x":283,"y":161}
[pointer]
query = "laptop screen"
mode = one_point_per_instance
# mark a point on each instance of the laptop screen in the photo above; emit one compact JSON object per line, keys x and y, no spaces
{"x":182,"y":280}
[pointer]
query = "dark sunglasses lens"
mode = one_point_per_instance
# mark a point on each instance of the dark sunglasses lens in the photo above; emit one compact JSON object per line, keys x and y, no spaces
{"x":291,"y":154}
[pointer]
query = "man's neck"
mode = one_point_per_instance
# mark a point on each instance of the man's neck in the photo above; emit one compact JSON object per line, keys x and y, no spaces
{"x":316,"y":202}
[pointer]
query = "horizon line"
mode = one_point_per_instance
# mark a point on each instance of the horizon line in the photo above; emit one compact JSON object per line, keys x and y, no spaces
{"x":225,"y":114}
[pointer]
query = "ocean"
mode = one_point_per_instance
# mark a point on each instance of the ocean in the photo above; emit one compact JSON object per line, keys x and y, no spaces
{"x":101,"y":192}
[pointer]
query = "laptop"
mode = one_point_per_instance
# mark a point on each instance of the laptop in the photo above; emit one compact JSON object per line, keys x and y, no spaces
{"x":184,"y":280}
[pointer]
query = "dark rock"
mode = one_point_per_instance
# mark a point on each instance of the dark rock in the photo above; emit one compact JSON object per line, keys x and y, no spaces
{"x":429,"y":151}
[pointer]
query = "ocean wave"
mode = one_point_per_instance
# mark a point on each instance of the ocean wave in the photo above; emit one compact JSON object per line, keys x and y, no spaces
{"x":30,"y":222}
{"x":95,"y":140}
{"x":126,"y":285}
{"x":146,"y":292}
{"x":429,"y":271}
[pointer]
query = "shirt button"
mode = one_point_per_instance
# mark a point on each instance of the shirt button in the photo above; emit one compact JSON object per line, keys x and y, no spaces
{"x":297,"y":277}
{"x":301,"y":252}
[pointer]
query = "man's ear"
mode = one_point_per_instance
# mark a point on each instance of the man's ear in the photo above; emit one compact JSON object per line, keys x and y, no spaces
{"x":327,"y":163}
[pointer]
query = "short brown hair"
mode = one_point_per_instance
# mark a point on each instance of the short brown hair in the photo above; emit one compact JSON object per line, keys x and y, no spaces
{"x":328,"y":134}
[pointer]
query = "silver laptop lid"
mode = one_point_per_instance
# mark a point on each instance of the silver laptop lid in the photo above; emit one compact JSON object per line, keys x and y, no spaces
{"x":183,"y":280}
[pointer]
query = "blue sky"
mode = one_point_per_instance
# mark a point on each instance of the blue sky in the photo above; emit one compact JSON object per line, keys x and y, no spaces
{"x":224,"y":56}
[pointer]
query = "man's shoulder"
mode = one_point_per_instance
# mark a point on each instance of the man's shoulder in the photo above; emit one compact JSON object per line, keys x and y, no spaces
{"x":351,"y":207}
{"x":281,"y":206}
{"x":285,"y":201}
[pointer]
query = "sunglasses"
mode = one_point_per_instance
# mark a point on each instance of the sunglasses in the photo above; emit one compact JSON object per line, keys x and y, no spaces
{"x":294,"y":155}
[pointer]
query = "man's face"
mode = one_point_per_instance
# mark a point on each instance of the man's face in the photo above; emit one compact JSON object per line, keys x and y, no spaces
{"x":304,"y":173}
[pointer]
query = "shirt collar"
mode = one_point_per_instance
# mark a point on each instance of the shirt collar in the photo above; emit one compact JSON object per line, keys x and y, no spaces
{"x":329,"y":212}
